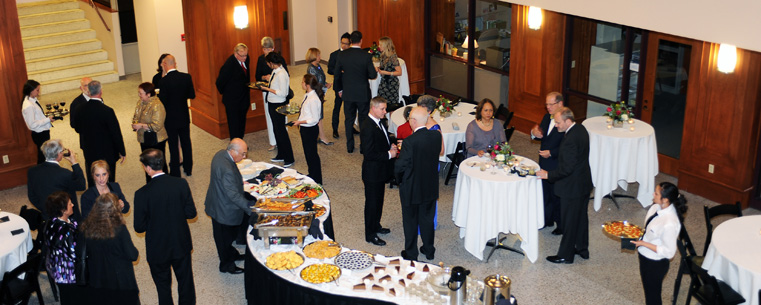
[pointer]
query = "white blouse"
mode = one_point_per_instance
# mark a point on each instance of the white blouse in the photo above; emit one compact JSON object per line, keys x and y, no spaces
{"x":310,"y":109}
{"x":280,"y":82}
{"x":33,"y":116}
{"x":662,"y":232}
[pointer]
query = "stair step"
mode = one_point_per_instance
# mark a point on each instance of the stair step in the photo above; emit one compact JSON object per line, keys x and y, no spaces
{"x":55,"y":27}
{"x":71,"y":71}
{"x":57,"y":16}
{"x":46,"y":6}
{"x":65,"y":60}
{"x":73,"y":82}
{"x":62,"y":48}
{"x":56,"y":38}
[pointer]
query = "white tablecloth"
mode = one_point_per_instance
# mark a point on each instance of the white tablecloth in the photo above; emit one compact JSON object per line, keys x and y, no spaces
{"x":619,"y":156}
{"x":404,"y":82}
{"x":733,"y":256}
{"x":486,"y":204}
{"x":13,"y":248}
{"x":451,"y":136}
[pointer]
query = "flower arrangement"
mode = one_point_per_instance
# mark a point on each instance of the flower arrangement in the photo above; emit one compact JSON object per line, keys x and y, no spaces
{"x":445,"y":106}
{"x":375,"y":51}
{"x":619,"y":112}
{"x":500,"y":152}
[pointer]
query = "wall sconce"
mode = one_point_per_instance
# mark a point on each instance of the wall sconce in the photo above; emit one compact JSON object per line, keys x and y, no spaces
{"x":240,"y":17}
{"x":727,"y":58}
{"x":534,"y":18}
{"x":465,"y":43}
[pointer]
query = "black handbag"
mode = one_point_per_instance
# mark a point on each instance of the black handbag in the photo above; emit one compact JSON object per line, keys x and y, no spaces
{"x":150,"y":138}
{"x":80,"y":260}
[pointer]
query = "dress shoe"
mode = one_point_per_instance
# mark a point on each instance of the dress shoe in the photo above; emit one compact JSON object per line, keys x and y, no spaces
{"x":427,"y":256}
{"x":546,"y":226}
{"x":559,"y":260}
{"x":276,"y":160}
{"x":350,"y":150}
{"x":355,"y":131}
{"x":326,"y":143}
{"x":557,"y":231}
{"x":408,"y":257}
{"x":584,"y":254}
{"x":375,"y":240}
{"x":288,"y":165}
{"x":188,"y":173}
{"x":384,"y":231}
{"x":335,"y":134}
{"x":236,"y":270}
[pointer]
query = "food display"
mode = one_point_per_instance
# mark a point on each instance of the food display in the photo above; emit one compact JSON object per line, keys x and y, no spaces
{"x":290,"y":181}
{"x":622,"y":229}
{"x":354,"y":260}
{"x":320,"y":273}
{"x":270,"y":188}
{"x":289,"y":220}
{"x":284,"y":260}
{"x":278,"y":228}
{"x":322,"y":249}
{"x":310,"y":191}
{"x":269,"y":205}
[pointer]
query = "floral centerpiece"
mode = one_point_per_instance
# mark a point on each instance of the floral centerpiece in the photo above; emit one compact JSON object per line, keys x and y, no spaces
{"x":375,"y":52}
{"x":618,"y":113}
{"x":500,"y":152}
{"x":445,"y":106}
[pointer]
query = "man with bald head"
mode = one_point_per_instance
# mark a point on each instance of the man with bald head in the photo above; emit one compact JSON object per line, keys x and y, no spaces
{"x":79,"y":101}
{"x":176,"y":89}
{"x":226,"y":204}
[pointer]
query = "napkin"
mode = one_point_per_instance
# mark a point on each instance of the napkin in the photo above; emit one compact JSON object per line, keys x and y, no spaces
{"x":17,"y":232}
{"x":626,"y":244}
{"x":4,"y":219}
{"x":455,"y":126}
{"x":274,"y":171}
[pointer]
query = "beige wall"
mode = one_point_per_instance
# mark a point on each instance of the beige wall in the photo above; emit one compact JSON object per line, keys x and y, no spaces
{"x":159,"y":26}
{"x":111,"y":41}
{"x":729,"y":21}
{"x":310,"y":26}
{"x":327,"y":37}
{"x":303,"y":27}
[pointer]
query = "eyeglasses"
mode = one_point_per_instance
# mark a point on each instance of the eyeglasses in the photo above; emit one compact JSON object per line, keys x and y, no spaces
{"x":551,"y":104}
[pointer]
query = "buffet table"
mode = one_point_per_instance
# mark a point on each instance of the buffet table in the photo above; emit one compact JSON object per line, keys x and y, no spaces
{"x":13,"y":248}
{"x":490,"y":202}
{"x":618,"y":156}
{"x":732,"y":256}
{"x":451,"y":136}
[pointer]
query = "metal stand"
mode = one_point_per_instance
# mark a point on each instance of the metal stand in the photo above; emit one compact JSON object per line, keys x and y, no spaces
{"x":496,"y":243}
{"x":613,"y":196}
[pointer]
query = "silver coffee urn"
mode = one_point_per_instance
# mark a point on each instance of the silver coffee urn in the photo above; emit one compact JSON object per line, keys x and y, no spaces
{"x":496,"y":287}
{"x":458,"y":286}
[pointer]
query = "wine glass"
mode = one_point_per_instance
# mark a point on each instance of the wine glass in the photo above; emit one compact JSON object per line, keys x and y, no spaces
{"x":48,"y":107}
{"x":55,"y":106}
{"x":62,"y":104}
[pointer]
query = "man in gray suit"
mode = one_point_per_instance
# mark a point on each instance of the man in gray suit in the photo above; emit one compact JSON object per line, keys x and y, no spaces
{"x":226,"y":204}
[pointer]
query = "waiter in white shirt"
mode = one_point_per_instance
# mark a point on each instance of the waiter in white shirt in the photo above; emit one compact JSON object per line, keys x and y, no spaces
{"x":307,"y":123}
{"x":35,"y":118}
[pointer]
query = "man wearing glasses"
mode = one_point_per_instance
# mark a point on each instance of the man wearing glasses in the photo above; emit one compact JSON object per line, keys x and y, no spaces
{"x":345,"y":44}
{"x":550,"y":136}
{"x":226,"y":204}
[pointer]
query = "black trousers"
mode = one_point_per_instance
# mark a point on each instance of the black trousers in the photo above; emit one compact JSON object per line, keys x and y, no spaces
{"x":414,"y":216}
{"x":162,"y":277}
{"x":236,"y":118}
{"x":652,"y":274}
{"x":181,"y":134}
{"x":575,"y":226}
{"x":336,"y":112}
{"x":374,"y":192}
{"x":38,"y":138}
{"x":350,"y":113}
{"x":551,"y":205}
{"x":88,"y":163}
{"x":160,"y":146}
{"x":284,"y":149}
{"x":309,"y":137}
{"x":224,"y":236}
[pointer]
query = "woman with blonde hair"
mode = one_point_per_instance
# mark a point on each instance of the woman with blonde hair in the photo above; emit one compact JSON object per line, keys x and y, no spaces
{"x":314,"y":68}
{"x":389,"y":71}
{"x":100,"y":173}
{"x":110,"y":253}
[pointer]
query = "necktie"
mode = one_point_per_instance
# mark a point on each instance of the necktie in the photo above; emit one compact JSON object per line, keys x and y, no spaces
{"x":43,"y":111}
{"x":649,"y":219}
{"x":384,"y":131}
{"x":244,"y":67}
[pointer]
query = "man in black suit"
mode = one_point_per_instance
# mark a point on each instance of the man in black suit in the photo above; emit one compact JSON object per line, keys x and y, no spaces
{"x":548,"y":134}
{"x":416,"y":172}
{"x":226,"y":204}
{"x":79,"y":101}
{"x":100,"y":134}
{"x":354,"y":68}
{"x":176,"y":89}
{"x":162,"y":208}
{"x":48,"y":177}
{"x":345,"y":43}
{"x":376,"y":168}
{"x":573,"y":182}
{"x":232,"y":83}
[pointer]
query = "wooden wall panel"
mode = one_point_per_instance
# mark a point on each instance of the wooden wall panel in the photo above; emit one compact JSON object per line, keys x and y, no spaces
{"x":15,"y":139}
{"x":536,"y":65}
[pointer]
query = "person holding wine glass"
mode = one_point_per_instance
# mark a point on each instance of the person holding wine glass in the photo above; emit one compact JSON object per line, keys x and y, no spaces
{"x":389,"y":70}
{"x":148,"y":121}
{"x":34,"y":116}
{"x":484,"y":130}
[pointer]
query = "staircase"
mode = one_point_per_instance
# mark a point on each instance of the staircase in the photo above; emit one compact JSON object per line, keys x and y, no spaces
{"x":60,"y":47}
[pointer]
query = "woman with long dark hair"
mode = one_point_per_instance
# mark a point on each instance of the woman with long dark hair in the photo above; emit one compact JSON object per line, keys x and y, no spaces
{"x":35,"y":118}
{"x":311,"y":108}
{"x":658,"y":245}
{"x":275,"y":97}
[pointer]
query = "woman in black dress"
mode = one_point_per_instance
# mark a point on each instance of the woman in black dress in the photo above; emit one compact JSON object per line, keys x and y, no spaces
{"x":389,"y":71}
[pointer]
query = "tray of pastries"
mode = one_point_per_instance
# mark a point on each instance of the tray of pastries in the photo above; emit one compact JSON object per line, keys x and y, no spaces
{"x":622,"y":229}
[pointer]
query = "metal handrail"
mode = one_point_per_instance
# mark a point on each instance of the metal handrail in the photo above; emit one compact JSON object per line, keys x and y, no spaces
{"x":92,"y":4}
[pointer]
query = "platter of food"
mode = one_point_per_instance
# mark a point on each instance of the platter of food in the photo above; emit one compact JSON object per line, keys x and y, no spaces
{"x":320,"y":273}
{"x":284,"y":260}
{"x":354,"y":260}
{"x":284,"y":220}
{"x":258,"y":85}
{"x":322,"y":249}
{"x":270,"y":188}
{"x":310,"y":191}
{"x":622,"y":229}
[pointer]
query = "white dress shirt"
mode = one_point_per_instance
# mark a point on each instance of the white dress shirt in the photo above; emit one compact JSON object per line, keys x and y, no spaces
{"x":310,"y":109}
{"x":280,"y":82}
{"x":33,"y":116}
{"x":662,"y":232}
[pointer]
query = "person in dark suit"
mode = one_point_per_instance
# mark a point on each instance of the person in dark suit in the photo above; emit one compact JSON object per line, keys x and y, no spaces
{"x":79,"y":101}
{"x":100,"y":134}
{"x":573,"y":182}
{"x":232,"y":83}
{"x":355,"y":69}
{"x":162,"y":208}
{"x":176,"y":89}
{"x":48,"y":177}
{"x":550,"y":138}
{"x":226,"y":204}
{"x":416,"y":172}
{"x":345,"y":43}
{"x":376,"y":168}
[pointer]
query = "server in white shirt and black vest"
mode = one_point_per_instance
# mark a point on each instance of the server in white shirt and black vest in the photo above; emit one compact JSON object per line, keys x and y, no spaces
{"x":35,"y":118}
{"x":311,"y":108}
{"x":658,"y":245}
